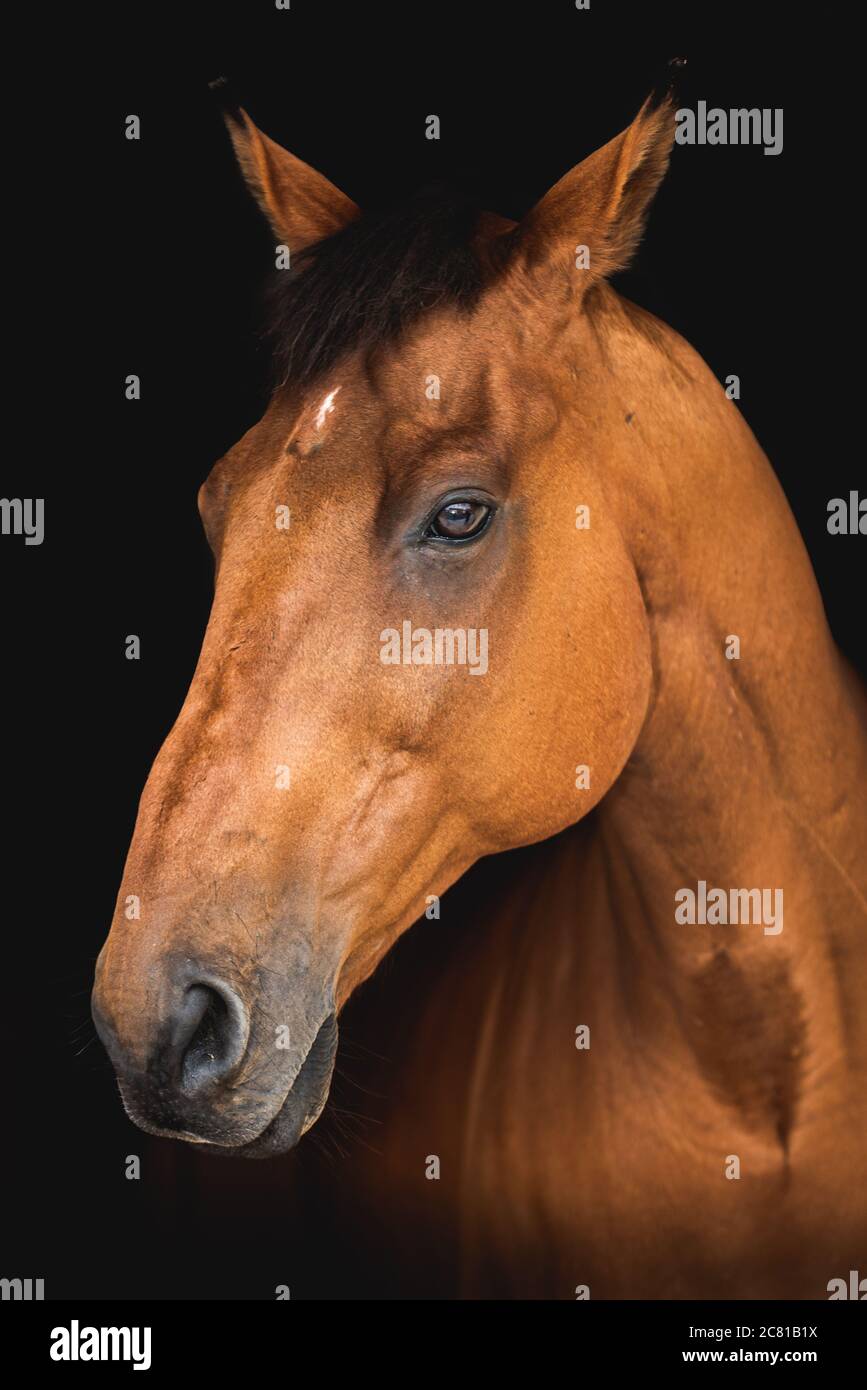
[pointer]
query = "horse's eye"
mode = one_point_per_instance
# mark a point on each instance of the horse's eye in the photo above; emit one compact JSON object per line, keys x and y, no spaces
{"x":459,"y":520}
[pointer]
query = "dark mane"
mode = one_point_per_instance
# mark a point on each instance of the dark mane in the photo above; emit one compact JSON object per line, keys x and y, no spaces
{"x":367,"y":283}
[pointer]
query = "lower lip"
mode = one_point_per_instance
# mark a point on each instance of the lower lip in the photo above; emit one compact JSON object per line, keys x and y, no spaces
{"x":271,"y":1143}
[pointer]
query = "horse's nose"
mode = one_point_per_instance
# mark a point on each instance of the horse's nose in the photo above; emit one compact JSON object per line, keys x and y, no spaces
{"x":200,"y":1039}
{"x":207,"y":1036}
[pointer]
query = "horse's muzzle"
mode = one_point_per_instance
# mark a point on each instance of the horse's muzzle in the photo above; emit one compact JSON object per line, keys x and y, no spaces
{"x":205,"y":1082}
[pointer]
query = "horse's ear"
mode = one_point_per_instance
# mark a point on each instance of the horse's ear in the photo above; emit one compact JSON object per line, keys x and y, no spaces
{"x":602,"y":203}
{"x":301,"y":205}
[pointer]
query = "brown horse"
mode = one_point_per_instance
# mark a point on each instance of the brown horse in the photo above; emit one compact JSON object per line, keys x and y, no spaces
{"x":501,"y":547}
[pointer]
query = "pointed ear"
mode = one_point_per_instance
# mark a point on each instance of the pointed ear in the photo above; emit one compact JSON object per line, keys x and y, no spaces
{"x":301,"y":205}
{"x":602,"y":203}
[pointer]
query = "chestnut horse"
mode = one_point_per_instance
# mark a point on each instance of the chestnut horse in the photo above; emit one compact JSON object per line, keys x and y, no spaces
{"x":646,"y":1075}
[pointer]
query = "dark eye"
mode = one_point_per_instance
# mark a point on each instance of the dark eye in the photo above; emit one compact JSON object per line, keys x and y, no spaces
{"x":459,"y":520}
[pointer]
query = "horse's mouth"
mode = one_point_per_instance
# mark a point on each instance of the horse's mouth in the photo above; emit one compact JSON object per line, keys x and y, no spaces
{"x":302,"y":1106}
{"x":300,"y":1109}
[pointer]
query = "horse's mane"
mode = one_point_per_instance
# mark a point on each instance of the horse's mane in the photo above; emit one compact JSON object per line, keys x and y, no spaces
{"x":365,"y":284}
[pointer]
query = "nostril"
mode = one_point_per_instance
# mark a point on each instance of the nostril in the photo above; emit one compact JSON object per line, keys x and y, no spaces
{"x":208,"y":1043}
{"x":210,"y":1035}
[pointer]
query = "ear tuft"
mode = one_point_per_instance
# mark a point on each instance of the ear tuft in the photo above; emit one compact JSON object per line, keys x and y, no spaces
{"x":664,"y":88}
{"x":222,"y":89}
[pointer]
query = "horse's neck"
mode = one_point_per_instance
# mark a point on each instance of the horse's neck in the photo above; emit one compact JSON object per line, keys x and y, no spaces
{"x":750,"y":771}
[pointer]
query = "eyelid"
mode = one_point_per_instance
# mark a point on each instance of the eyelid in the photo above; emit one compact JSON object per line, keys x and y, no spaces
{"x":456,"y":494}
{"x":467,"y":494}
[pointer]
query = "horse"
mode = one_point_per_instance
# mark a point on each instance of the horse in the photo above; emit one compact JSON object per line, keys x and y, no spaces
{"x":631,"y":1080}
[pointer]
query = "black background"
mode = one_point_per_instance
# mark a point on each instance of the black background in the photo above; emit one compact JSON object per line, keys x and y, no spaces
{"x":147,"y":257}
